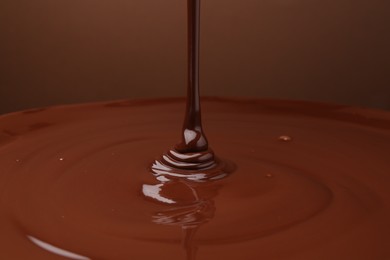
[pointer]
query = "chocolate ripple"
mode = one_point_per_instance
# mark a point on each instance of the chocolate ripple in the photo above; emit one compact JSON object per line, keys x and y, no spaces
{"x":197,"y":166}
{"x":77,"y":189}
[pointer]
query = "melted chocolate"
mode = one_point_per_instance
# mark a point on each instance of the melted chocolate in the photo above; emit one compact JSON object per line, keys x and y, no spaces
{"x":185,"y":169}
{"x":191,"y":158}
{"x":193,"y":138}
{"x":310,"y":181}
{"x":75,"y":187}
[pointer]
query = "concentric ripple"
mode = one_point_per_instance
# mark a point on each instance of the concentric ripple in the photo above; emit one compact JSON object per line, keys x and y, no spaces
{"x":199,"y":166}
{"x":304,"y":181}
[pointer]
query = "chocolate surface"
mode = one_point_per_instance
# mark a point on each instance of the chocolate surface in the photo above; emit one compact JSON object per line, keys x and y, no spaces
{"x":310,"y":182}
{"x":294,"y":180}
{"x":191,"y":158}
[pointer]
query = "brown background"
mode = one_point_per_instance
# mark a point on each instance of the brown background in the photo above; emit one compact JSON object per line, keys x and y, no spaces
{"x":62,"y":51}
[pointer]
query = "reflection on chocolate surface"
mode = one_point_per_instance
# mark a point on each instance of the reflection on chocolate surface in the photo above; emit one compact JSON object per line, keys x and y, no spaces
{"x":77,"y":185}
{"x":292,"y":180}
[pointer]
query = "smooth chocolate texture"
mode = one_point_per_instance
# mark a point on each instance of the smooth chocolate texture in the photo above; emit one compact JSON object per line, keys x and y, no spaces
{"x":191,"y":159}
{"x":193,"y":137}
{"x":76,"y":183}
{"x":302,"y":181}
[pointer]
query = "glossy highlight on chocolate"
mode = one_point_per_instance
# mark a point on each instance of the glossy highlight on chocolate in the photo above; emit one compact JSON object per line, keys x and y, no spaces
{"x":192,"y":158}
{"x":191,"y":162}
{"x":73,"y":189}
{"x":301,"y":180}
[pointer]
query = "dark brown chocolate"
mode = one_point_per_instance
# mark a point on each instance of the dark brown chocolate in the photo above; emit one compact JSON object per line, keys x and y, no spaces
{"x":297,"y":180}
{"x":75,"y":186}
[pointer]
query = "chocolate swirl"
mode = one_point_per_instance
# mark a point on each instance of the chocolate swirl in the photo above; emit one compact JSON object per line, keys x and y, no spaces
{"x":76,"y":185}
{"x":198,"y":166}
{"x":192,"y":158}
